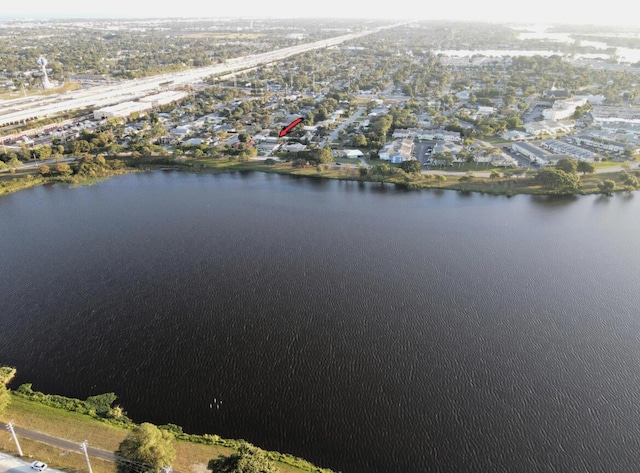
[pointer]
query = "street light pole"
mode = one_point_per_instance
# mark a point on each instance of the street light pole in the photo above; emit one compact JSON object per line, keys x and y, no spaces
{"x":83,"y":447}
{"x":13,"y":433}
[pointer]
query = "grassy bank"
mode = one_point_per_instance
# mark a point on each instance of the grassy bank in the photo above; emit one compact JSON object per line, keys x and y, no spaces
{"x":347,"y":171}
{"x":193,"y":451}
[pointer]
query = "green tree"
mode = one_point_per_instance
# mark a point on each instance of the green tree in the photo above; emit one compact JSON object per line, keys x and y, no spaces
{"x":585,"y":167}
{"x":411,"y":166}
{"x":631,"y":182}
{"x":62,"y":169}
{"x":6,"y":375}
{"x":607,"y":186}
{"x":248,"y":459}
{"x":270,"y":161}
{"x":243,"y":137}
{"x":45,"y":170}
{"x":558,"y":180}
{"x":358,"y":140}
{"x":494,"y":174}
{"x":567,"y":165}
{"x":149,"y":447}
{"x":14,"y":162}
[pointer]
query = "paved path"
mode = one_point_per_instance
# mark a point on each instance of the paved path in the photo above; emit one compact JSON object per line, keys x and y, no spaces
{"x":60,"y":443}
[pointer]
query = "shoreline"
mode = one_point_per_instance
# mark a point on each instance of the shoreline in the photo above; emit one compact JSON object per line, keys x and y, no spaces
{"x":461,"y":182}
{"x":51,"y":414}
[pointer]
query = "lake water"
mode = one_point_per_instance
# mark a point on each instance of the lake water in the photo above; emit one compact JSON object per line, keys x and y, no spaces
{"x":365,"y":328}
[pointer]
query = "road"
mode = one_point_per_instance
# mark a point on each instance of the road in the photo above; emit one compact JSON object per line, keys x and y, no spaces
{"x":9,"y":464}
{"x":36,"y":163}
{"x":333,"y":136}
{"x":60,"y":443}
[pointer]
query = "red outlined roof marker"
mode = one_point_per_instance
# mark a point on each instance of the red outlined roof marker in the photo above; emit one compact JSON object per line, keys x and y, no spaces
{"x":289,"y":127}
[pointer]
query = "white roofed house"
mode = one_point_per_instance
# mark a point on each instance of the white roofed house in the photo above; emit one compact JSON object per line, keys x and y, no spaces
{"x":352,"y":153}
{"x":397,"y":151}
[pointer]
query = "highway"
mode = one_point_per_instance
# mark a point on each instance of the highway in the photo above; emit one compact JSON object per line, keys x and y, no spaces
{"x":21,"y":110}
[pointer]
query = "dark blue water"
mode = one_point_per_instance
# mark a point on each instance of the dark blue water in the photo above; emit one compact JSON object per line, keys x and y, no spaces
{"x":364,"y":328}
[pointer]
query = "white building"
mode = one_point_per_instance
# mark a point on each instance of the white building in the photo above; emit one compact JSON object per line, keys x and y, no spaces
{"x":445,"y":135}
{"x":547,"y":127}
{"x":397,"y":151}
{"x":563,"y":109}
{"x":560,"y":147}
{"x":599,"y":143}
{"x":531,"y":152}
{"x":513,"y":135}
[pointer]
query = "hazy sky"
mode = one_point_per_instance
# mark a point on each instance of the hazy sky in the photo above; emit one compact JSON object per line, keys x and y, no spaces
{"x":539,"y":11}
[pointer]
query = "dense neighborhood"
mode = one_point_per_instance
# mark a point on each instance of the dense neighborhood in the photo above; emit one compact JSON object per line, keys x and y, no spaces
{"x":448,"y":113}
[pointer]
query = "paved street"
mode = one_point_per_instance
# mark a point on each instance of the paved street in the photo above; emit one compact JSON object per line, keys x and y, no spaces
{"x":60,"y":443}
{"x":333,"y":136}
{"x":9,"y":464}
{"x":36,"y":163}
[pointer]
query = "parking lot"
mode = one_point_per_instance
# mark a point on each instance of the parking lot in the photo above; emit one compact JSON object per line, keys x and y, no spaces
{"x":419,"y":149}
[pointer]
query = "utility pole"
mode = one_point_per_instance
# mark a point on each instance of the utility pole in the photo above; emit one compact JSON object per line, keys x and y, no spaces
{"x":83,"y":447}
{"x":13,"y":432}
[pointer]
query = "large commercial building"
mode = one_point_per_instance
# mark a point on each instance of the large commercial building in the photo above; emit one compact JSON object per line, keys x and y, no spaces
{"x":563,"y":109}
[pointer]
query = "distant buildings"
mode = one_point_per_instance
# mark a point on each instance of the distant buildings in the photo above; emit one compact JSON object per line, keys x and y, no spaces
{"x":604,"y":114}
{"x":600,"y":143}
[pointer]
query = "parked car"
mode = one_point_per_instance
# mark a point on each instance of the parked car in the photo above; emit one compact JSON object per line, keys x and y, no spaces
{"x":40,"y":466}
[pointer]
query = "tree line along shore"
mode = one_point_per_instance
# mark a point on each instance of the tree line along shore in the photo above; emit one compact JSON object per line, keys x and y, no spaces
{"x":566,"y":177}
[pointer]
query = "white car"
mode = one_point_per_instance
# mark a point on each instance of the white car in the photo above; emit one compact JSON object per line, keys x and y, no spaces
{"x":40,"y":466}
